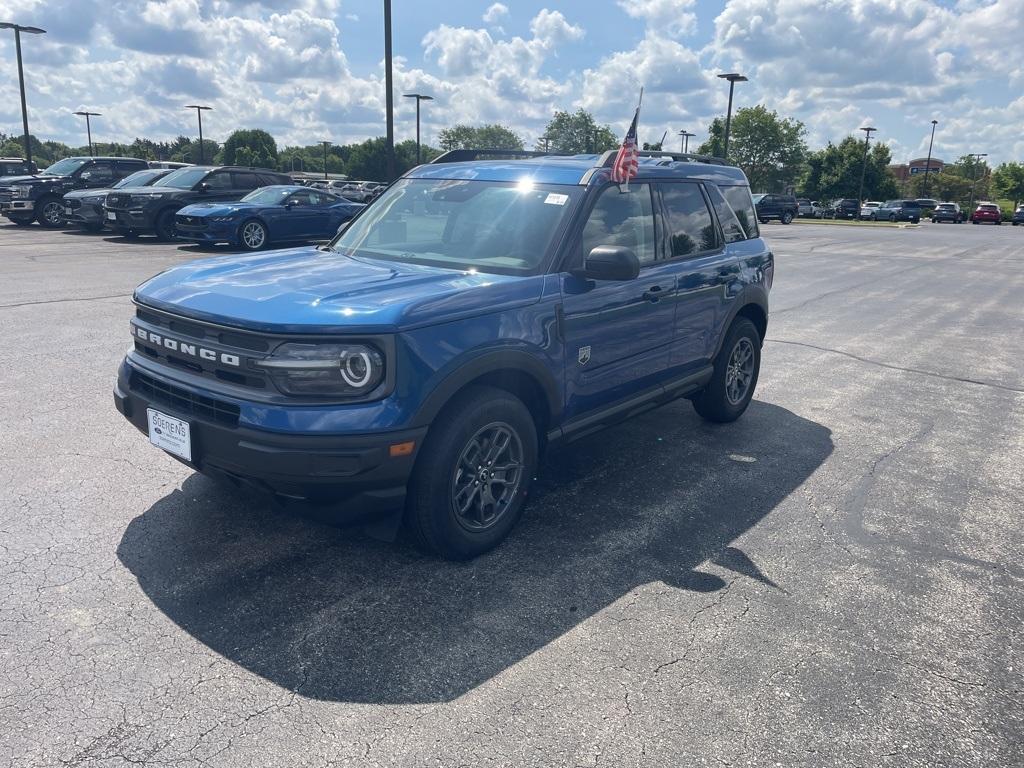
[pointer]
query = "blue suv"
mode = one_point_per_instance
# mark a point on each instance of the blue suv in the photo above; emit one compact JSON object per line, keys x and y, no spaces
{"x":475,"y":313}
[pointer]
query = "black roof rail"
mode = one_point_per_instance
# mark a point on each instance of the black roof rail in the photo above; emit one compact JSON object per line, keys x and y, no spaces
{"x":461,"y":155}
{"x":608,"y":158}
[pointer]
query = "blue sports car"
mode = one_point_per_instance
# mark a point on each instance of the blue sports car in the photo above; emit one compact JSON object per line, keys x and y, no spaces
{"x":269,"y":214}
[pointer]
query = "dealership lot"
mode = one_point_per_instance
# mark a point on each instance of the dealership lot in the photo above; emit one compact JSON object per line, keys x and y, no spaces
{"x":833,"y":580}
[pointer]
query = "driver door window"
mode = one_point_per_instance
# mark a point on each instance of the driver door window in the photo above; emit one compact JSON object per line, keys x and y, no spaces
{"x":218,"y":182}
{"x":624,"y":219}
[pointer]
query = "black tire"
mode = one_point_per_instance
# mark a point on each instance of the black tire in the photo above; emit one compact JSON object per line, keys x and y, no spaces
{"x":50,"y":213}
{"x":716,"y":402}
{"x":915,"y":221}
{"x":22,"y":221}
{"x":431,"y":516}
{"x":164,"y":227}
{"x":763,"y":221}
{"x":974,"y":221}
{"x":997,"y":223}
{"x":892,"y":218}
{"x":787,"y":218}
{"x":253,"y":235}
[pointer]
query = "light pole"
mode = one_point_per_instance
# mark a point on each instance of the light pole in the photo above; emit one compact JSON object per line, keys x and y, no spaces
{"x":867,"y":136}
{"x":326,"y":145}
{"x":684,"y":141}
{"x":18,"y":29}
{"x":419,"y":97}
{"x":733,"y":78}
{"x":928,"y":167}
{"x":389,"y":97}
{"x":199,"y":113}
{"x":88,"y":126}
{"x":974,"y":175}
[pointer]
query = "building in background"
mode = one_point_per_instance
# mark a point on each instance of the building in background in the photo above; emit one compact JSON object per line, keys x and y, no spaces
{"x":905,"y":171}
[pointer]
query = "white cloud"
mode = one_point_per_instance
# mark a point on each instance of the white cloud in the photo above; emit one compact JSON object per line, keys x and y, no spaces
{"x":668,"y":17}
{"x":495,"y":12}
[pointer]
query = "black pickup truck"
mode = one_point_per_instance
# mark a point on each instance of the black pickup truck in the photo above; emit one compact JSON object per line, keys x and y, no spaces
{"x":40,"y":197}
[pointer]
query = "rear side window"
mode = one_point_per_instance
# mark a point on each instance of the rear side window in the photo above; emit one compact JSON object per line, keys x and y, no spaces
{"x":743,"y":207}
{"x":731,"y":227}
{"x":691,"y":229}
{"x":244,"y":181}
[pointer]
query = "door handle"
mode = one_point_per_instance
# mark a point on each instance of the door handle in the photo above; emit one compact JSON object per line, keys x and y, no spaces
{"x":654,"y":293}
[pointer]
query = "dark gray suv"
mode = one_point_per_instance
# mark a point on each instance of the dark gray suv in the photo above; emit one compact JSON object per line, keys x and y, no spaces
{"x":771,"y":206}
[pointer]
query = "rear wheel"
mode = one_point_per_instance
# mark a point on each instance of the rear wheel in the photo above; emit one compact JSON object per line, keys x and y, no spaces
{"x":892,"y":218}
{"x":164,"y":227}
{"x":50,"y":212}
{"x":997,"y":222}
{"x":787,"y":218}
{"x":473,"y":474}
{"x":732,"y":384}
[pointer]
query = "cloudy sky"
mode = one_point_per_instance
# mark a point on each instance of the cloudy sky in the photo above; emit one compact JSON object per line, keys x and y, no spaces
{"x":311,"y":69}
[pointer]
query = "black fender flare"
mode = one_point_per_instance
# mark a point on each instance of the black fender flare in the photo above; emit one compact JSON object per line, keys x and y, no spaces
{"x":753,"y":295}
{"x":463,"y":371}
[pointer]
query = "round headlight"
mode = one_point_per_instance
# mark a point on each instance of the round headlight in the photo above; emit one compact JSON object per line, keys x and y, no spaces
{"x":356,"y":368}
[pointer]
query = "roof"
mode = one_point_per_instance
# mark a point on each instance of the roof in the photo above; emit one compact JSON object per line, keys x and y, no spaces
{"x":580,"y":169}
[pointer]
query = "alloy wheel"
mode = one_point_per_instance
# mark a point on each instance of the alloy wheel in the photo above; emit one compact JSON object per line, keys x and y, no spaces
{"x":487,"y":477}
{"x":739,"y":371}
{"x":253,"y":235}
{"x":53,"y":213}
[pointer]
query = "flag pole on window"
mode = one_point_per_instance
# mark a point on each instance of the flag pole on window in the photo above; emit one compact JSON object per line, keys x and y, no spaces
{"x":628,"y":159}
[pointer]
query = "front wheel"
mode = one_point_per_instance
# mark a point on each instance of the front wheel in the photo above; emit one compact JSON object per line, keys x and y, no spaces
{"x":165,"y":229}
{"x":50,"y":213}
{"x":252,"y":235}
{"x":473,"y":474}
{"x":732,"y":384}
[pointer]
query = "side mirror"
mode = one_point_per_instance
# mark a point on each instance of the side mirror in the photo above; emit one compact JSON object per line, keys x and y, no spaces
{"x":611,"y":262}
{"x":203,"y":187}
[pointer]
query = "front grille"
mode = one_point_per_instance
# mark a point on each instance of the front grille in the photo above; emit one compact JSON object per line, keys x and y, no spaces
{"x":115,"y":200}
{"x":183,"y":401}
{"x":190,"y":223}
{"x":6,"y":195}
{"x":73,"y":203}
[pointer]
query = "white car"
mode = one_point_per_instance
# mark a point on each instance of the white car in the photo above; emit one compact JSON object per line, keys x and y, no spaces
{"x":868,"y":208}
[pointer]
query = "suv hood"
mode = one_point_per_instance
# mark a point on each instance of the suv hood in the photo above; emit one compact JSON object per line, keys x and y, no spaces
{"x":305,"y":290}
{"x":75,"y":194}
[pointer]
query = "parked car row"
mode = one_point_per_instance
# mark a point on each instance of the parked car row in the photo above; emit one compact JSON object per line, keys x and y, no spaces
{"x":785,"y":208}
{"x":244,"y":207}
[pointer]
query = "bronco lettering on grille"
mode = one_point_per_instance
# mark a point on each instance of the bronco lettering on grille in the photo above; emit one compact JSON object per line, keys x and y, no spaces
{"x":184,"y":348}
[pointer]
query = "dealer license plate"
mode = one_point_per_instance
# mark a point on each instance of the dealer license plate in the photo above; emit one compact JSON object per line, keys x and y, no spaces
{"x":67,"y":211}
{"x":111,"y":216}
{"x":169,"y":433}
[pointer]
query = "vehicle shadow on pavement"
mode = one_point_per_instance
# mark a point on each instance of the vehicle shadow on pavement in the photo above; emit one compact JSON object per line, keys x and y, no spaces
{"x":332,"y":614}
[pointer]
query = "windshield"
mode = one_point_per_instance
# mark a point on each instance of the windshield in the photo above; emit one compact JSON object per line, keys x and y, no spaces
{"x":268,"y":195}
{"x":138,"y":179}
{"x":66,"y":166}
{"x":461,"y":224}
{"x":184,"y":178}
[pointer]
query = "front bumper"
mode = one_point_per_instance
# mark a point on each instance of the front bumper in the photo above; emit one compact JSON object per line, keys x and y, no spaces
{"x":17,"y":206}
{"x":128,"y":219}
{"x":208,"y":232}
{"x":356,"y":473}
{"x":84,"y":215}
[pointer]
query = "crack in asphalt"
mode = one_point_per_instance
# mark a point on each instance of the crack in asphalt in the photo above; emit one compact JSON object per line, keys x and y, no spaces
{"x":65,"y":301}
{"x":905,"y":369}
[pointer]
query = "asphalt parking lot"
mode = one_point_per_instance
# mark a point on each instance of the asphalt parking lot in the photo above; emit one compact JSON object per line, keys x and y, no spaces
{"x":833,"y":580}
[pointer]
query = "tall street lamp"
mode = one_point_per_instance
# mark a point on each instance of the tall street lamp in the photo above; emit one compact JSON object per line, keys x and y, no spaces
{"x":867,"y":137}
{"x":928,"y":167}
{"x":199,"y":113}
{"x":419,"y":97}
{"x":974,"y":175}
{"x":18,"y":29}
{"x":684,"y":141}
{"x":389,"y":97}
{"x":326,"y":145}
{"x":733,"y":78}
{"x":88,"y":126}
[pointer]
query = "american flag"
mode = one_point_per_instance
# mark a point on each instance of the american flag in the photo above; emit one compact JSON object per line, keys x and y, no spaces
{"x":626,"y":161}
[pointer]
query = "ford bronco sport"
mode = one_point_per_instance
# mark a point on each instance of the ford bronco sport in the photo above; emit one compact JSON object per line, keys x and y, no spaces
{"x":475,"y":313}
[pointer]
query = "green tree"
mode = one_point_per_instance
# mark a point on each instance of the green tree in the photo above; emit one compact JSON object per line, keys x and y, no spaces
{"x":492,"y":136}
{"x":1008,"y":182}
{"x":835,"y":171}
{"x":769,"y":149}
{"x":250,"y":146}
{"x":977,"y":173}
{"x":575,"y":133}
{"x":188,"y":151}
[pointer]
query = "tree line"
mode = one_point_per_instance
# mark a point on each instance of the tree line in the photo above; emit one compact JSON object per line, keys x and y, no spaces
{"x":771,"y":150}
